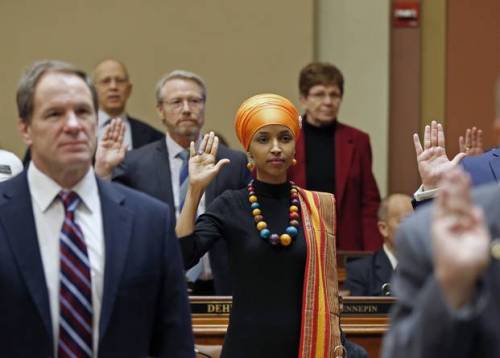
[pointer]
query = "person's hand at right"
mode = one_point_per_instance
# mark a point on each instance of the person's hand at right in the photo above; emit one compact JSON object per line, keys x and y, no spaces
{"x":432,"y":160}
{"x":460,"y":240}
{"x":472,"y":142}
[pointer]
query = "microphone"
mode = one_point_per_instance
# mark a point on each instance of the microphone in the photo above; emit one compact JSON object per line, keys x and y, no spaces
{"x":386,"y":289}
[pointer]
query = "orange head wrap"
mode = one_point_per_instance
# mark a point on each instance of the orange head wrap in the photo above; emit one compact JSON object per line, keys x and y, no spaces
{"x":262,"y":110}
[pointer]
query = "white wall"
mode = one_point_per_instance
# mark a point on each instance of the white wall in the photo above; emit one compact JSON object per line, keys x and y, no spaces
{"x":354,"y":35}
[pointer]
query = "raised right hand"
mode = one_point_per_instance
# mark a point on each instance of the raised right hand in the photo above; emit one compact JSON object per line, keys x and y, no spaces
{"x":472,"y":142}
{"x":202,"y":166}
{"x":460,"y":239}
{"x":432,"y":160}
{"x":110,"y":149}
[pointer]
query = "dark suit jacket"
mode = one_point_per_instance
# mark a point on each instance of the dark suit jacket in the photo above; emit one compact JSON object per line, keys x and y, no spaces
{"x":356,"y":193}
{"x":143,"y":133}
{"x":366,"y":276}
{"x":148,"y":169}
{"x":422,"y":325}
{"x":144,"y":305}
{"x":484,"y":168}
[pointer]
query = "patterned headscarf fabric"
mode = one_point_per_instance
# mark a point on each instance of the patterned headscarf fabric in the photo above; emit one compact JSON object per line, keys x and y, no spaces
{"x":262,"y":110}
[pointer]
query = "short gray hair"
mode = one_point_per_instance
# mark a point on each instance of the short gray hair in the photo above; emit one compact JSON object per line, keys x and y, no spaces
{"x":29,"y":80}
{"x":183,"y":75}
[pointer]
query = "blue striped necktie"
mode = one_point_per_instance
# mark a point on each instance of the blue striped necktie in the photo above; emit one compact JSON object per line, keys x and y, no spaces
{"x":75,"y":289}
{"x":183,"y":177}
{"x":194,"y":272}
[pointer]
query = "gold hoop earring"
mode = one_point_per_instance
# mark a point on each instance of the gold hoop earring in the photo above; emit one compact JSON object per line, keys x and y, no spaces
{"x":294,"y":161}
{"x":251,"y":166}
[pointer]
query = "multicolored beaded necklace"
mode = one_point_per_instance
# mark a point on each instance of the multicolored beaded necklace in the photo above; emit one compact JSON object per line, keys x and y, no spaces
{"x":293,"y":226}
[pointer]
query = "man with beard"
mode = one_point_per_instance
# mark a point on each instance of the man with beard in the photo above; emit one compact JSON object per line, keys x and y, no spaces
{"x":160,"y":168}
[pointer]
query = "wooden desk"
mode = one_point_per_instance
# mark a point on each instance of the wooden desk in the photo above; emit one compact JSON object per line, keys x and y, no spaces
{"x":364,"y":320}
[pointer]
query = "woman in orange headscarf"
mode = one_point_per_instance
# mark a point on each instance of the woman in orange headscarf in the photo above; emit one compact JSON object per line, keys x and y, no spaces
{"x":280,"y":238}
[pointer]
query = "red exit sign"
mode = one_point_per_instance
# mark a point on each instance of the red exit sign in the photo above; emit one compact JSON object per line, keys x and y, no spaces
{"x":405,"y":14}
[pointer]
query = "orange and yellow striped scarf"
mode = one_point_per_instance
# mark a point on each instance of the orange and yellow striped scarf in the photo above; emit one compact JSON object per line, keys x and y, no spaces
{"x":320,"y":326}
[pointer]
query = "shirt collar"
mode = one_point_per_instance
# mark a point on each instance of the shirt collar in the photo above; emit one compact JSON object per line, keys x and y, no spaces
{"x":102,"y":117}
{"x":44,"y":189}
{"x":390,"y":256}
{"x":174,"y":148}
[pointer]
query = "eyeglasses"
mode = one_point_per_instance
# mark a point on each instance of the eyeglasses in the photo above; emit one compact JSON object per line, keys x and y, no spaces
{"x":178,"y":103}
{"x":321,"y":96}
{"x":109,"y":80}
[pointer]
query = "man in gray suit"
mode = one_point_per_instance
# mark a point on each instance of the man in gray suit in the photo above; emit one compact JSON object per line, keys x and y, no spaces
{"x":156,"y":168}
{"x":448,"y":279}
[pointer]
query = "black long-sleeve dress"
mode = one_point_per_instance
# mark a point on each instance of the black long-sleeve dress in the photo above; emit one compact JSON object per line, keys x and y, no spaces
{"x":267,"y":281}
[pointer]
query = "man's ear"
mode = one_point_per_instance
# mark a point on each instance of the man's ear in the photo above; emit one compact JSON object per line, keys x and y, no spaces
{"x":129,"y":89}
{"x":24,"y":129}
{"x":382,"y":228}
{"x":159,"y":111}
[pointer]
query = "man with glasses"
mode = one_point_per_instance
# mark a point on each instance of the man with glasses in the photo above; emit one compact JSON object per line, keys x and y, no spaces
{"x":160,"y":168}
{"x":113,"y":87}
{"x":336,"y":158}
{"x":88,"y":268}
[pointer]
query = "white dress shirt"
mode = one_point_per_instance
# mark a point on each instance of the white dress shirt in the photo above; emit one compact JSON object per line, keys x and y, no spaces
{"x":103,"y":117}
{"x":48,"y":212}
{"x":175,"y":161}
{"x":392,"y":258}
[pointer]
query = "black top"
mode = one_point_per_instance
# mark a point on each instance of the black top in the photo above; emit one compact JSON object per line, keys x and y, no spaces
{"x":267,"y":281}
{"x":320,"y":156}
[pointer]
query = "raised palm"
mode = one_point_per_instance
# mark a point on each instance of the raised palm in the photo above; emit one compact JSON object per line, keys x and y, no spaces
{"x":111,"y":149}
{"x":203,"y":167}
{"x":472,"y":142}
{"x":460,"y":238}
{"x":432,"y":159}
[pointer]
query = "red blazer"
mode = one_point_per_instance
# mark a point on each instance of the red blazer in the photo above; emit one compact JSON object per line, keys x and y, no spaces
{"x":356,"y":192}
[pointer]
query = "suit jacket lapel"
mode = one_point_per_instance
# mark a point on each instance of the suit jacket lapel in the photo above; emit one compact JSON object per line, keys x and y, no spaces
{"x":16,"y":216}
{"x":135,"y":131}
{"x":344,"y":146}
{"x":495,"y":164}
{"x":117,"y":222}
{"x":383,"y":267}
{"x":163,"y":179}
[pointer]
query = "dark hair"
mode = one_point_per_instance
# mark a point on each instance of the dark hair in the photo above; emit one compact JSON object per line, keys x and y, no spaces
{"x":320,"y":73}
{"x":29,"y":80}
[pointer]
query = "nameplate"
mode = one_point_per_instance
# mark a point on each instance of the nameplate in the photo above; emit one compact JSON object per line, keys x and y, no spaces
{"x":366,"y":308}
{"x":352,"y":306}
{"x":211,"y":307}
